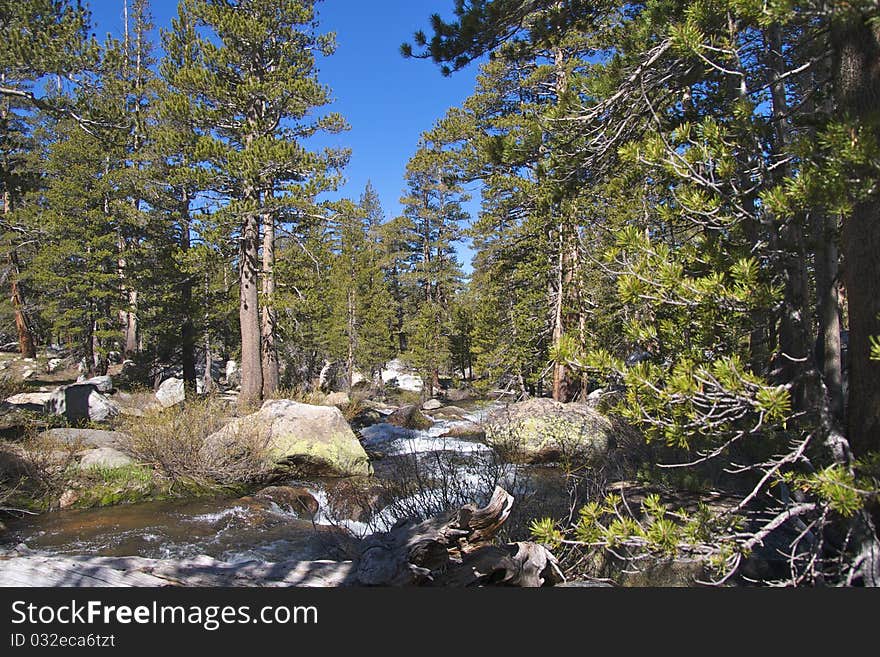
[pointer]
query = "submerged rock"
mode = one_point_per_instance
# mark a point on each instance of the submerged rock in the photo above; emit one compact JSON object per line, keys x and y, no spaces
{"x":449,"y":413}
{"x":315,"y":440}
{"x":542,"y":430}
{"x":292,"y":499}
{"x":465,"y":429}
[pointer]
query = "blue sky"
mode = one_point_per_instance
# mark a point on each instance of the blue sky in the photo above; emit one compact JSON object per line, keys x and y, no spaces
{"x":388,"y":100}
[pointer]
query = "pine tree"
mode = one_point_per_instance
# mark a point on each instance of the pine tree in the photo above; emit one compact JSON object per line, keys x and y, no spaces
{"x":700,"y":152}
{"x":78,"y":265}
{"x":178,"y":181}
{"x":254,"y":87}
{"x":19,"y":149}
{"x":432,"y":215}
{"x":362,"y":310}
{"x":38,"y":39}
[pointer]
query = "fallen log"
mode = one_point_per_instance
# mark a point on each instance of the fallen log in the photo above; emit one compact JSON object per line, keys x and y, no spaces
{"x":454,"y":549}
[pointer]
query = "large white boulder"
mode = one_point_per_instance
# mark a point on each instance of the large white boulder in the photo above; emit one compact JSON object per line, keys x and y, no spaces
{"x":542,"y":430}
{"x":171,"y":392}
{"x":312,"y":439}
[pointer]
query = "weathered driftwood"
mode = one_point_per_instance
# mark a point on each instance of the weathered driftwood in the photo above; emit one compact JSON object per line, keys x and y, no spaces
{"x":454,"y":549}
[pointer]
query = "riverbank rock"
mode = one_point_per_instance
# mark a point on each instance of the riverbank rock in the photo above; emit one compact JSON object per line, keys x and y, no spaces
{"x":104,"y":457}
{"x":409,"y":417}
{"x":103,"y":384}
{"x":35,"y":399}
{"x":15,"y":418}
{"x":86,"y":437}
{"x":432,"y":405}
{"x":336,"y":399}
{"x":57,"y":364}
{"x":314,"y":440}
{"x":171,"y":392}
{"x":542,"y":430}
{"x":68,"y":499}
{"x":357,"y":499}
{"x":80,"y":402}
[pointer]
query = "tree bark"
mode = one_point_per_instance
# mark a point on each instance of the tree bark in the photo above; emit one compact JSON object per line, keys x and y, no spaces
{"x":856,"y":66}
{"x":349,"y":363}
{"x":26,"y":344}
{"x":209,"y":358}
{"x":789,"y":243}
{"x":828,"y":305}
{"x":248,"y":308}
{"x":564,"y":389}
{"x":187,"y":329}
{"x":270,"y":321}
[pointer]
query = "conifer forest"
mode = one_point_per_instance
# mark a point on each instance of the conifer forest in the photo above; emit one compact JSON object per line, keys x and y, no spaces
{"x":629,"y":309}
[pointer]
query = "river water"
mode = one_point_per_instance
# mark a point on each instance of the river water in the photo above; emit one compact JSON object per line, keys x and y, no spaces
{"x":418,"y":473}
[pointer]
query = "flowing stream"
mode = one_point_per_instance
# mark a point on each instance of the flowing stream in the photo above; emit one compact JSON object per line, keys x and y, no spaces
{"x":418,"y":473}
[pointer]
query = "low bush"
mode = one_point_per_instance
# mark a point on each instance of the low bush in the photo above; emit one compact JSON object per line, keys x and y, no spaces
{"x":174,"y":441}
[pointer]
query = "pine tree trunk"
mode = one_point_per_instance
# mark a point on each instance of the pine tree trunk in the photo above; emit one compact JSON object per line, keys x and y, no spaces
{"x":563,"y":388}
{"x":828,"y":303}
{"x":26,"y":344}
{"x":128,"y":315}
{"x":561,"y":391}
{"x":132,"y":328}
{"x":269,"y":326}
{"x":99,"y":347}
{"x":349,"y":373}
{"x":187,"y":329}
{"x":207,"y":379}
{"x":856,"y":66}
{"x":794,"y":330}
{"x":248,"y":308}
{"x":209,"y":359}
{"x":89,"y":348}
